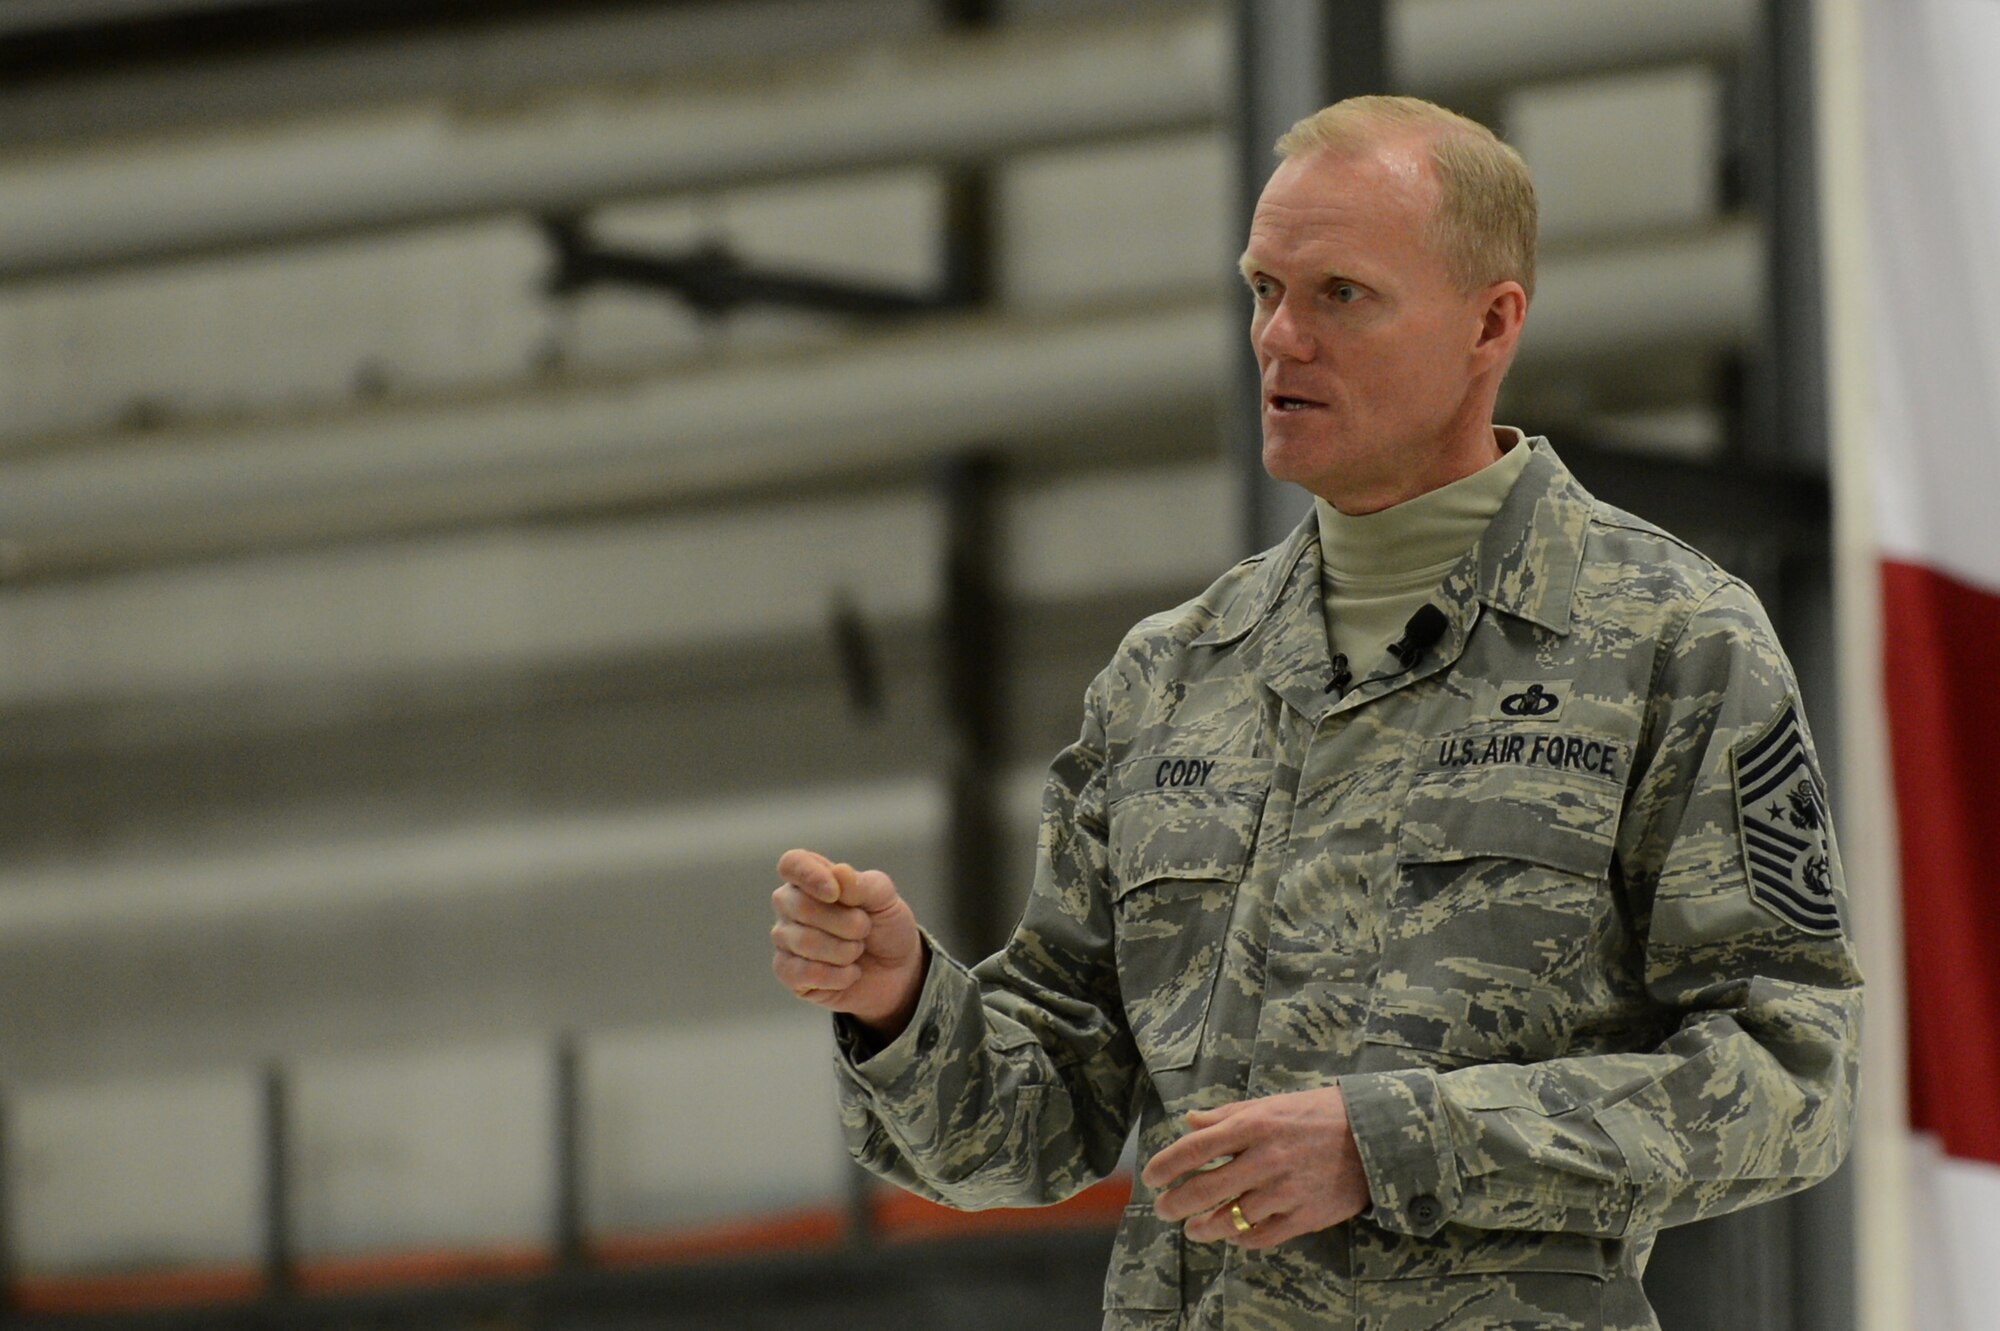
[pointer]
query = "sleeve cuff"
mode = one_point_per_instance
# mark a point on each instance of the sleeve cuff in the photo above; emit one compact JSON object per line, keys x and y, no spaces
{"x":916,"y":1056}
{"x":1399,"y":1130}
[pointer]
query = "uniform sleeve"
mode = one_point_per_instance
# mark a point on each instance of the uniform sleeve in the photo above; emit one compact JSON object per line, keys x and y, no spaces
{"x":1726,"y":858}
{"x":1013,"y":1083}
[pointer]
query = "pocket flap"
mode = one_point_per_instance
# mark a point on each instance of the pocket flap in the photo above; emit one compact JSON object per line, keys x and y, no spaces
{"x":1206,"y":840}
{"x":1145,"y":1270}
{"x":1381,"y":1255}
{"x":1563,"y":820}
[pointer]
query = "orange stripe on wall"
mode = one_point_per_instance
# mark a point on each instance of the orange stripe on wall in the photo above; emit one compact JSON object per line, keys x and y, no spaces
{"x":898,"y":1217}
{"x":806,"y":1229}
{"x":348,"y":1275}
{"x":137,"y":1291}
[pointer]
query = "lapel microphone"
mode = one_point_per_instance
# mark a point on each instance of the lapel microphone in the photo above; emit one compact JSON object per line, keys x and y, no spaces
{"x":1425,"y":627}
{"x":1342,"y":675}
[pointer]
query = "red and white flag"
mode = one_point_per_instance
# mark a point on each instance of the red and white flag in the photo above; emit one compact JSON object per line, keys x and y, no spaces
{"x":1930,"y":85}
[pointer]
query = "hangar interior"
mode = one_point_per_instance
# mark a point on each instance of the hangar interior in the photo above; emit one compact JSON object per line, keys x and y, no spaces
{"x":479,"y":481}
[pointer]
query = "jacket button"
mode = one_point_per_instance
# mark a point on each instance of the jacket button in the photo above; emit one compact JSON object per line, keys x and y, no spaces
{"x":1426,"y":1210}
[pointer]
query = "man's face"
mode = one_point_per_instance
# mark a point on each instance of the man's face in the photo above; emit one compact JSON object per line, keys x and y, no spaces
{"x":1371,"y":357}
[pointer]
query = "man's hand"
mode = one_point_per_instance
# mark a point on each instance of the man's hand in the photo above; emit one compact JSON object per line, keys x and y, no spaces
{"x":846,"y":941}
{"x":1289,"y":1161}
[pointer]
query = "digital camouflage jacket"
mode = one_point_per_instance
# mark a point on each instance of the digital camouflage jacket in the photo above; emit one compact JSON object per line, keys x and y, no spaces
{"x":1558,"y":909}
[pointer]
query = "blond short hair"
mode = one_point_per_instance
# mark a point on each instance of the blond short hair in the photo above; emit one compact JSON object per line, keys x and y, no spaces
{"x":1485,"y":221}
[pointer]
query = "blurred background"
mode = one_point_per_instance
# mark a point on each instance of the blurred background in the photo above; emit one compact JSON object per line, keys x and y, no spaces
{"x":478,"y":481}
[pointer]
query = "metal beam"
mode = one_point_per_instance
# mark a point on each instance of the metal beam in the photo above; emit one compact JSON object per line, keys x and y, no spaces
{"x":714,"y":281}
{"x":341,"y":621}
{"x":1820,"y":1265}
{"x":160,"y":90}
{"x":1784,"y":505}
{"x":571,"y":1230}
{"x":1445,"y":48}
{"x":1788,"y":418}
{"x":9,"y":1259}
{"x":947,"y":98}
{"x":1788,"y":1264}
{"x":265,"y":175}
{"x":904,"y":398}
{"x":1293,"y":57}
{"x":242,"y":639}
{"x":975,"y":678}
{"x":280,"y":1244}
{"x":46,"y":39}
{"x":908,"y":398}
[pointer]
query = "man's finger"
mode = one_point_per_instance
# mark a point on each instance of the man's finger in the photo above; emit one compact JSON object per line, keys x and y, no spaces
{"x":1268,"y":1232}
{"x":815,"y":944}
{"x":1282,"y":1230}
{"x":1193,"y":1151}
{"x":812,"y":873}
{"x":791,"y":903}
{"x":870,"y":890}
{"x":1219,"y":1224}
{"x":1202,"y":1118}
{"x":796,"y":973}
{"x":1197,"y":1197}
{"x":1181,"y":1157}
{"x":826,"y":998}
{"x":1208,"y":1190}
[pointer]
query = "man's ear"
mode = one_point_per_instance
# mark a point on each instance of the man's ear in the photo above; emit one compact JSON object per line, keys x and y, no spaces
{"x":1501,"y":316}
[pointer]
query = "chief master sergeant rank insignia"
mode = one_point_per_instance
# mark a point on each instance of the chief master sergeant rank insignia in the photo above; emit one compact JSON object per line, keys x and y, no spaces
{"x":1782,"y":811}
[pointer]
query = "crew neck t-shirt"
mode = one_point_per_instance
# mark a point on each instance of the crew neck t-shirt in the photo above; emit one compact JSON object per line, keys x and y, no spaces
{"x":1376,"y":569}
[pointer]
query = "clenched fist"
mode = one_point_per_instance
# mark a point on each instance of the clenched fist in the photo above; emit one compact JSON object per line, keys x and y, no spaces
{"x":847,"y":942}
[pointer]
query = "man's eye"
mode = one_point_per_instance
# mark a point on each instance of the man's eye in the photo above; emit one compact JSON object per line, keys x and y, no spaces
{"x":1262,"y":288}
{"x":1346,"y":292}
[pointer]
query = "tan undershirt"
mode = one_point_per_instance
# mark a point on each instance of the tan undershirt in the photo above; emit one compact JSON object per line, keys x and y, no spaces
{"x":1377,"y":568}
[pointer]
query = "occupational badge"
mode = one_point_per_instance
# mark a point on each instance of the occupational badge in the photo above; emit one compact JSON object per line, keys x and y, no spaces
{"x":1781,"y":809}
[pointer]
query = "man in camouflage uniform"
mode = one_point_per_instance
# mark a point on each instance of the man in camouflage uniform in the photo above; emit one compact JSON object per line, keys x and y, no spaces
{"x":1435,"y":994}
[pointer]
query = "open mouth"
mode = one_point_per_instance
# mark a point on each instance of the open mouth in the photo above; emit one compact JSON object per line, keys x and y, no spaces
{"x":1282,"y":403}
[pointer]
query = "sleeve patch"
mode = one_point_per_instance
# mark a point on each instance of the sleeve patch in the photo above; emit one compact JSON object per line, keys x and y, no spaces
{"x":1782,"y":817}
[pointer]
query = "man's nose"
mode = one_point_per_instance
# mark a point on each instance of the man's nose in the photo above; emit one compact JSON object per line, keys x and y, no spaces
{"x":1281,"y":335}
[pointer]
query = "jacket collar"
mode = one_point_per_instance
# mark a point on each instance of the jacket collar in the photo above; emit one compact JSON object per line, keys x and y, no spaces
{"x":1280,"y":625}
{"x":1527,"y":559}
{"x":1525,"y":563}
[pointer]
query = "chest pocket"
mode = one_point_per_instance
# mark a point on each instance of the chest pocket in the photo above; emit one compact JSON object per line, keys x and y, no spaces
{"x":1182,"y":830}
{"x":1500,"y":933}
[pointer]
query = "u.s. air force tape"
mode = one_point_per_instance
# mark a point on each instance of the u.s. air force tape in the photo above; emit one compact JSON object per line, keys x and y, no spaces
{"x":1594,"y":755}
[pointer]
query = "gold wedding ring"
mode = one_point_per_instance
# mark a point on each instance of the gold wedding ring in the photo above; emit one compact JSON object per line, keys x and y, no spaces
{"x":1236,"y":1214}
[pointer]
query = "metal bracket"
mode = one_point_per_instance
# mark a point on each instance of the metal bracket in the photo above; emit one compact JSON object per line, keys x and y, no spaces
{"x":713,"y":280}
